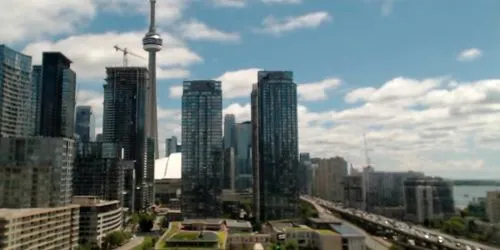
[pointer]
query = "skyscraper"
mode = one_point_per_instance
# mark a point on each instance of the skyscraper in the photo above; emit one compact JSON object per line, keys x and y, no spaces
{"x":278,"y":145}
{"x":254,"y":112}
{"x":229,"y":151}
{"x":201,"y":148}
{"x":36,"y":98}
{"x":124,"y":124}
{"x":15,"y":106}
{"x":229,"y":131}
{"x":85,"y":123}
{"x":304,"y":173}
{"x":243,"y":155}
{"x":152,"y":43}
{"x":171,"y":146}
{"x":57,"y":114}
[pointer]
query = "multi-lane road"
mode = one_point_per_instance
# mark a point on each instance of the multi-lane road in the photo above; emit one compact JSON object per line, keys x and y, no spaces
{"x":374,"y":243}
{"x":415,"y":231}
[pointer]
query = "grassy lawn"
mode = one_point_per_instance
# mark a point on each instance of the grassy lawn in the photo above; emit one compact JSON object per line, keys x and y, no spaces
{"x":174,"y":228}
{"x":185,"y":235}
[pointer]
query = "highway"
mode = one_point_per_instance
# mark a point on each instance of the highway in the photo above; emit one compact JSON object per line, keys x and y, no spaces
{"x":372,"y":242}
{"x":415,"y":231}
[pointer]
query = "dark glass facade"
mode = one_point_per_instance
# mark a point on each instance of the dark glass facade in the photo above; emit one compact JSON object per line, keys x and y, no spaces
{"x":123,"y":124}
{"x":278,"y":145}
{"x":202,"y":155}
{"x":85,"y":123}
{"x":243,"y":156}
{"x":98,"y":171}
{"x":57,"y":112}
{"x":36,"y":97}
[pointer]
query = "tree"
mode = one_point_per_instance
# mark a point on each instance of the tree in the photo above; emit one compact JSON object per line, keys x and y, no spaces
{"x":455,"y":226}
{"x":146,"y":222}
{"x":113,"y":240}
{"x":292,"y":245}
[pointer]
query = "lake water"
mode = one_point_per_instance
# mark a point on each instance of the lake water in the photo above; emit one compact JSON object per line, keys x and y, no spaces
{"x":465,"y":194}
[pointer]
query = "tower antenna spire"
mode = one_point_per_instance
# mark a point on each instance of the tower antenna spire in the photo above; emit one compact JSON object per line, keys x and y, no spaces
{"x":152,"y":43}
{"x":152,"y":16}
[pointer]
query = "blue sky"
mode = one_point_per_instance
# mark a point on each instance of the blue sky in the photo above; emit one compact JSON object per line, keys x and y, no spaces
{"x":418,"y":77}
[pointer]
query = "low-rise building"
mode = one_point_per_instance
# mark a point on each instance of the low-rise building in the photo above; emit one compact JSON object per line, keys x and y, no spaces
{"x":322,"y":239}
{"x":238,"y":226}
{"x":97,"y":218}
{"x":39,"y":228}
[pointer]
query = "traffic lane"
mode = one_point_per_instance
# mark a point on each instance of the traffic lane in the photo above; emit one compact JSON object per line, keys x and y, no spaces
{"x":450,"y":241}
{"x":369,"y":241}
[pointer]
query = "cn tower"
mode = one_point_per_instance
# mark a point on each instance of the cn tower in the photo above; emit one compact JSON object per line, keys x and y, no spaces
{"x":152,"y":43}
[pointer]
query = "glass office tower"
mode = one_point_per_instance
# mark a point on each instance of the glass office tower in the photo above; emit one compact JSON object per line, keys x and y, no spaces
{"x":201,"y":149}
{"x":278,"y":145}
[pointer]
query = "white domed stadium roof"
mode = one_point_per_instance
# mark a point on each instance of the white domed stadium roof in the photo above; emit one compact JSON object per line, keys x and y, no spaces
{"x":169,"y":167}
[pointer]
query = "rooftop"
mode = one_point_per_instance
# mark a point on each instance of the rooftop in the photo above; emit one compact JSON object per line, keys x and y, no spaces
{"x":346,"y":231}
{"x":90,"y":201}
{"x":169,"y":167}
{"x":238,"y":224}
{"x":11,"y":213}
{"x":194,"y":236}
{"x":203,"y":221}
{"x":324,"y":220}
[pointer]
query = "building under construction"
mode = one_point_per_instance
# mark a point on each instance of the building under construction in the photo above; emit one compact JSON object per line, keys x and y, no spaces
{"x":124,"y":125}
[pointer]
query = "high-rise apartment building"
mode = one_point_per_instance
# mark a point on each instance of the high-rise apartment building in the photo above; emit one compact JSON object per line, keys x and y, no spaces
{"x":428,"y":198}
{"x":35,"y":171}
{"x":385,"y":189}
{"x":201,"y":148}
{"x":243,"y":156}
{"x":278,"y":145}
{"x":123,"y":125}
{"x":15,"y":89}
{"x":171,"y":146}
{"x":85,"y":123}
{"x":98,"y":171}
{"x":329,"y":178}
{"x":57,"y":110}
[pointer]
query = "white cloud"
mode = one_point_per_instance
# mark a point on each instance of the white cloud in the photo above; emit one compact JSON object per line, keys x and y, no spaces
{"x":276,"y":26}
{"x":469,"y":55}
{"x":238,"y":83}
{"x":317,"y":91}
{"x":435,"y":123}
{"x":230,"y":3}
{"x":282,"y":1}
{"x":25,"y":20}
{"x":91,"y":53}
{"x":167,"y":11}
{"x":196,"y":30}
{"x":169,"y":120}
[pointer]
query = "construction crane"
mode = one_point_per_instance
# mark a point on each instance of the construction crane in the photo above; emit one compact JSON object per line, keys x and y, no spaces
{"x":125,"y":52}
{"x":367,"y":156}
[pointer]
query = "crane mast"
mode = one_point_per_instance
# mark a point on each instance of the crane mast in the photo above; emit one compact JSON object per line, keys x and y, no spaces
{"x":125,"y":52}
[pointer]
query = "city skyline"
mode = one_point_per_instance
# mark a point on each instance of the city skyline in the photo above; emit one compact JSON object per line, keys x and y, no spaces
{"x":422,"y":119}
